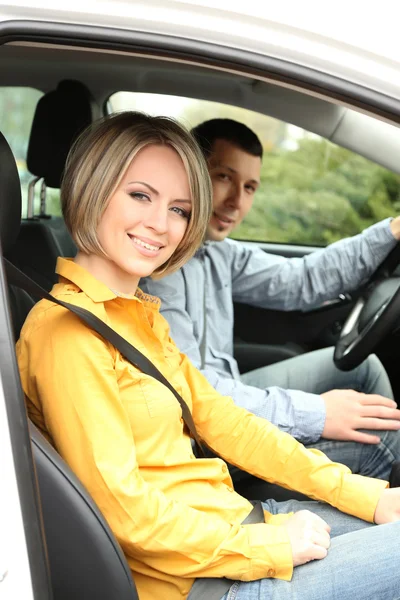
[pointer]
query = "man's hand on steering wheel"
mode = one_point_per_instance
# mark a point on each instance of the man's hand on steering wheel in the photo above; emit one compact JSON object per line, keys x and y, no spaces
{"x":376,"y":313}
{"x":395,"y":228}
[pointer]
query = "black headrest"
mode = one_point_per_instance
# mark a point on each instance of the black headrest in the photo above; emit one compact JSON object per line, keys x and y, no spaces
{"x":60,"y":116}
{"x":10,"y":197}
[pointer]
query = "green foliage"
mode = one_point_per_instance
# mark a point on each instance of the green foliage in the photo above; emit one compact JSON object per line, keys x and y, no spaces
{"x":318,"y":193}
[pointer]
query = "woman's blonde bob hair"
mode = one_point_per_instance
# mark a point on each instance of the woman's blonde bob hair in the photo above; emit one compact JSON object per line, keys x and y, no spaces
{"x":97,"y":163}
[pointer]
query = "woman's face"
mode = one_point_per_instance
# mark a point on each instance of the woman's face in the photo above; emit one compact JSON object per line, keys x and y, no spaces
{"x":146,"y":217}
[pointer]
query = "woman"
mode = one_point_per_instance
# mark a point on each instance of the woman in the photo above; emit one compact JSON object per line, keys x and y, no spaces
{"x":136,"y":200}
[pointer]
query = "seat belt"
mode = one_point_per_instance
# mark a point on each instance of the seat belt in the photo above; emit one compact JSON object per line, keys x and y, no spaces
{"x":132,"y":354}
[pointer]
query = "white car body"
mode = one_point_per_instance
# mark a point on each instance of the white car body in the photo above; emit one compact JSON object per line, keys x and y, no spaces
{"x":353,"y":41}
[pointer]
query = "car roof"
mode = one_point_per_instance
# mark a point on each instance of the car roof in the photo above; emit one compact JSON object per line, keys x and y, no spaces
{"x":351,"y":40}
{"x":181,"y":48}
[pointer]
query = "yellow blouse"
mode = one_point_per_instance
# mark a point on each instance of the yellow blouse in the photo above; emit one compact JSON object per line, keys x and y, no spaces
{"x":121,"y":431}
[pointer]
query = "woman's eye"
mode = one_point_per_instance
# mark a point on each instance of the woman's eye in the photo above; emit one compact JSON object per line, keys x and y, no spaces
{"x":139,"y":196}
{"x":181,"y":211}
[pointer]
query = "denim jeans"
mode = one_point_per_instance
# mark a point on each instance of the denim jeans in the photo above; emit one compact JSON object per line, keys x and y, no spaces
{"x":362,"y":562}
{"x":315,"y":372}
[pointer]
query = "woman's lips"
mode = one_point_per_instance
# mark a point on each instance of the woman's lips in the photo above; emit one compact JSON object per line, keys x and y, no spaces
{"x":145,"y":247}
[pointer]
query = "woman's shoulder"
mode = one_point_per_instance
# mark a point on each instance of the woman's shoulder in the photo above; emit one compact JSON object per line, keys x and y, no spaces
{"x":47,"y":316}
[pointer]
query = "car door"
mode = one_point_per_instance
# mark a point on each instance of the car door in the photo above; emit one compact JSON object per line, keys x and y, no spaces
{"x":23,"y":564}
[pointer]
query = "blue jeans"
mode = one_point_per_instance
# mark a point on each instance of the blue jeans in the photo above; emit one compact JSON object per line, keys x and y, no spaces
{"x":315,"y":372}
{"x":362,"y":562}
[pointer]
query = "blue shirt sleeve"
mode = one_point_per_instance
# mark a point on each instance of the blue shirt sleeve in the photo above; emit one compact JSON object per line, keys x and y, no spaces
{"x":278,"y":283}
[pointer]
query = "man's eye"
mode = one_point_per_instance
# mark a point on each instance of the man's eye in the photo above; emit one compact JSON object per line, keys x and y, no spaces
{"x":223,"y":177}
{"x":139,"y":196}
{"x":250,"y":189}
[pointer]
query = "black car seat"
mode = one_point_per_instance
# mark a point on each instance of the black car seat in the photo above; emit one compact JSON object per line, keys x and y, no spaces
{"x":60,"y":116}
{"x":86,"y":562}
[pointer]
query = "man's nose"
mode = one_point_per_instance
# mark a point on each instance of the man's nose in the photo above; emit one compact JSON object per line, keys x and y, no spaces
{"x":235,"y":197}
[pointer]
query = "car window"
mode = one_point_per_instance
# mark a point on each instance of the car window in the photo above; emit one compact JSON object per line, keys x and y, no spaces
{"x":17,"y":109}
{"x":312,"y":191}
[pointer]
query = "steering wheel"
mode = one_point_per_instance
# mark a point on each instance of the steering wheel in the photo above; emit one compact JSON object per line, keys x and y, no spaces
{"x":375,"y":315}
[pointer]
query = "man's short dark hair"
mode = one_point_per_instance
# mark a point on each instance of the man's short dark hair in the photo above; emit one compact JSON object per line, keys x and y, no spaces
{"x":229,"y":130}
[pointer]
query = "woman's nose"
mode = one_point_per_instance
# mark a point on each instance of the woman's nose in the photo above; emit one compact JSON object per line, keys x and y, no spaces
{"x":157,"y":219}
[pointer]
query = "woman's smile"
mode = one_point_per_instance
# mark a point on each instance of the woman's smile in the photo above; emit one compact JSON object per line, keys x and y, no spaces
{"x":145,"y":246}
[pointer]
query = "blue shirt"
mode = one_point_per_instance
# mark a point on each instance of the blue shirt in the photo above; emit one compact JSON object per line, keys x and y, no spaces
{"x":223,"y":272}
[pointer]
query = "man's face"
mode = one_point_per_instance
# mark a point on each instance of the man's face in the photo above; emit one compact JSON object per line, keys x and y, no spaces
{"x":235,"y":177}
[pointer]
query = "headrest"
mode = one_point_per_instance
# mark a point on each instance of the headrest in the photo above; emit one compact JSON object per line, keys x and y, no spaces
{"x":60,"y":116}
{"x":10,"y":197}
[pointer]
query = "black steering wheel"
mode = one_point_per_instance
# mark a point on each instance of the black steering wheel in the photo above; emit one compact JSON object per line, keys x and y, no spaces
{"x":375,"y":315}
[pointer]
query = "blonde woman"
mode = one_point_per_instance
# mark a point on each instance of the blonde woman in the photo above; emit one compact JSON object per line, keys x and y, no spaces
{"x":136,"y":199}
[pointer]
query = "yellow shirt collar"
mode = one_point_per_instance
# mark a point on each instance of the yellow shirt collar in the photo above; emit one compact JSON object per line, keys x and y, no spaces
{"x":92,"y":287}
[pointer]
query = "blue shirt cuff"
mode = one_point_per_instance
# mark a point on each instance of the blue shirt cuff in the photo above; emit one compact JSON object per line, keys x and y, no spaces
{"x":310,"y":416}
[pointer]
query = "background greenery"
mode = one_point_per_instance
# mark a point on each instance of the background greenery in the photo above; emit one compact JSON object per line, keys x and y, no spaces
{"x":317,"y":194}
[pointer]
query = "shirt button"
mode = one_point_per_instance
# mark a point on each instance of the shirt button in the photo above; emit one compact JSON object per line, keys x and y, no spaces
{"x":271,"y":573}
{"x":224,"y":468}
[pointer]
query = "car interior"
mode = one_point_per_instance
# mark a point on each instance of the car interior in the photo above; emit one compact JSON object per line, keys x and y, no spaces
{"x":76,"y":81}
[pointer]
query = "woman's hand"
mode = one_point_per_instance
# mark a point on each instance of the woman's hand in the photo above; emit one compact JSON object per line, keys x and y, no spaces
{"x":309,"y":537}
{"x":388,"y":507}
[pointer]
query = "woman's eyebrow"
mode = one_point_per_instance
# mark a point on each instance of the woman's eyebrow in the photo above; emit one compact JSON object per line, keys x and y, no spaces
{"x":184,"y":200}
{"x":146,"y":184}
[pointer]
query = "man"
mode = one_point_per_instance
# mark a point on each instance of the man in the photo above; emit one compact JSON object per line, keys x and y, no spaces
{"x":307,"y":396}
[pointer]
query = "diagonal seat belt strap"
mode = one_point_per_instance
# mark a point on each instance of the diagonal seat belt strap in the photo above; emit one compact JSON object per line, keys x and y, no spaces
{"x":132,"y":354}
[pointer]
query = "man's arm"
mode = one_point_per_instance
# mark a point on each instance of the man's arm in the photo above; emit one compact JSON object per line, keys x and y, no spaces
{"x":298,"y":413}
{"x":279,"y":283}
